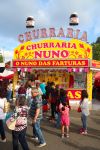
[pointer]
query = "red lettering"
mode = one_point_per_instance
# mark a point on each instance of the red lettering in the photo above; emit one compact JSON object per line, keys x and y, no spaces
{"x":52,"y":32}
{"x":43,"y":33}
{"x":69,"y":33}
{"x":64,"y":53}
{"x":36,"y":34}
{"x":55,"y":53}
{"x":21,"y":38}
{"x":28,"y":36}
{"x":61,"y":33}
{"x":38,"y":54}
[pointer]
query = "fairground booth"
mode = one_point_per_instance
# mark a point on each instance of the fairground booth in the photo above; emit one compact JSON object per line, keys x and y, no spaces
{"x":96,"y":79}
{"x":62,"y":57}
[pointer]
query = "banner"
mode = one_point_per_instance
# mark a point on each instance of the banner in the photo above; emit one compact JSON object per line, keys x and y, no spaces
{"x":74,"y":94}
{"x":53,"y":49}
{"x":51,"y":63}
{"x":95,"y":63}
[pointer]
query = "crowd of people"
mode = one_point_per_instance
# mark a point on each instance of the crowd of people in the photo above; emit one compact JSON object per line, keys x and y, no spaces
{"x":30,"y":99}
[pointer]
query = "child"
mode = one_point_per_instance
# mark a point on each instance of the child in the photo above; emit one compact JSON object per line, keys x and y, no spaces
{"x":84,"y":111}
{"x":21,"y":125}
{"x":63,"y":98}
{"x":65,"y":120}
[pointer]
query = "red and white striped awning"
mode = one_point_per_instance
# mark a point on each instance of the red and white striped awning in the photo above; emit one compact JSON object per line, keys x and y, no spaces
{"x":7,"y":74}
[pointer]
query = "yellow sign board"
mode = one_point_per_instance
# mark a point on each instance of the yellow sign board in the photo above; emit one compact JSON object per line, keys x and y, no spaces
{"x":53,"y":49}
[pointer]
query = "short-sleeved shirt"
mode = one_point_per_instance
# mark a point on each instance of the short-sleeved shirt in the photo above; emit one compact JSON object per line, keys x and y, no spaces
{"x":36,"y":103}
{"x":21,"y":122}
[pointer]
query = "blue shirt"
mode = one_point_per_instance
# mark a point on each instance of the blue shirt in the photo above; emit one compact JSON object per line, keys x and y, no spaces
{"x":42,"y":86}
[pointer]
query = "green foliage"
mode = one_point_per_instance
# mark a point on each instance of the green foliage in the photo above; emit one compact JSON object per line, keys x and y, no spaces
{"x":1,"y":58}
{"x":98,"y":40}
{"x":96,"y":49}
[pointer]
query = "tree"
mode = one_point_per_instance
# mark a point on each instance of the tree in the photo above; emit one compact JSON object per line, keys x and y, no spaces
{"x":96,"y":49}
{"x":1,"y":58}
{"x":98,"y":40}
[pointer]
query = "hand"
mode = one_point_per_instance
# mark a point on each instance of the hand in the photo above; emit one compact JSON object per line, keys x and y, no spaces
{"x":33,"y":121}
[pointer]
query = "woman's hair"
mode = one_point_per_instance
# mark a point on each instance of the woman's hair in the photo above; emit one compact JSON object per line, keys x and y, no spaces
{"x":52,"y":84}
{"x":3,"y":92}
{"x":64,"y":105}
{"x":63,"y":108}
{"x":37,"y":84}
{"x":63,"y":93}
{"x":21,"y":101}
{"x":84,"y":94}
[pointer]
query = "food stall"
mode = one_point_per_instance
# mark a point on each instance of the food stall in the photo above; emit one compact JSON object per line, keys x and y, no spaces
{"x":96,"y":79}
{"x":65,"y":62}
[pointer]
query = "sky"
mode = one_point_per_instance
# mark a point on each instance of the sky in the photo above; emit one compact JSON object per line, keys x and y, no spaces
{"x":47,"y":13}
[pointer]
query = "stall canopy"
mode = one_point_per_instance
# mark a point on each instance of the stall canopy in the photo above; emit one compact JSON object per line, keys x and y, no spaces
{"x":97,"y":76}
{"x":95,"y":65}
{"x":97,"y":79}
{"x":6,"y":74}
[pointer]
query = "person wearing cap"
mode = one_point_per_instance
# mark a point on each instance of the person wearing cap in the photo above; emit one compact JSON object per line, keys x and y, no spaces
{"x":35,"y":113}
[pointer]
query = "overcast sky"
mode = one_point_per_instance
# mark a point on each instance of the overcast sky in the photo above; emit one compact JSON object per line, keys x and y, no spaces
{"x":47,"y":13}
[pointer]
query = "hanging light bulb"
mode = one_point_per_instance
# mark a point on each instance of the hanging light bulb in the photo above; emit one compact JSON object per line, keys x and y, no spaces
{"x":30,"y":22}
{"x":74,"y":20}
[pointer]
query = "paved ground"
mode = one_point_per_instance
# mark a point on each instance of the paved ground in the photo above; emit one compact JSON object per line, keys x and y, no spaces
{"x":75,"y":142}
{"x":96,"y":104}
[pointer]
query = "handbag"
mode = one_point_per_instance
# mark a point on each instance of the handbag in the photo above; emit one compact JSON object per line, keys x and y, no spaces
{"x":7,"y":107}
{"x":79,"y":109}
{"x":11,"y":122}
{"x":45,"y":105}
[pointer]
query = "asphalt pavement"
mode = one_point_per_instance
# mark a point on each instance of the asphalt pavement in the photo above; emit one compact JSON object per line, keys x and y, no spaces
{"x":53,"y":135}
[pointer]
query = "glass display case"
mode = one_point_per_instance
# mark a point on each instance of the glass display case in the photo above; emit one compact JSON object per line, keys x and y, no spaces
{"x":80,"y":80}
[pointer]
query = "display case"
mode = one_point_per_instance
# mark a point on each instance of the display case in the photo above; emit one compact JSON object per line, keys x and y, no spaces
{"x":80,"y":80}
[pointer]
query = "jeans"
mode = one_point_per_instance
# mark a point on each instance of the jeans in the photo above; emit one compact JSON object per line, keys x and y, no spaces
{"x":84,"y":121}
{"x":2,"y":131}
{"x":37,"y":131}
{"x":58,"y":119}
{"x":9,"y":95}
{"x":19,"y":136}
{"x":34,"y":132}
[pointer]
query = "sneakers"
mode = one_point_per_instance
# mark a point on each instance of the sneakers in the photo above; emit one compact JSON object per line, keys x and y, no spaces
{"x":84,"y":133}
{"x":67,"y":135}
{"x":62,"y":136}
{"x":3,"y":140}
{"x":42,"y":145}
{"x":34,"y":138}
{"x":81,"y":130}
